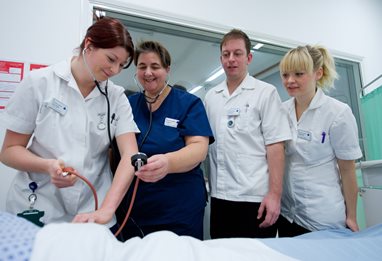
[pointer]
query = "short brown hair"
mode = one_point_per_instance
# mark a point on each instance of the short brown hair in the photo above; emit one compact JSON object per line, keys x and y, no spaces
{"x":236,"y":34}
{"x":153,"y":47}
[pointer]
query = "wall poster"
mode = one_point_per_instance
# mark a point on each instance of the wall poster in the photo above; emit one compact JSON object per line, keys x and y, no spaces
{"x":11,"y":74}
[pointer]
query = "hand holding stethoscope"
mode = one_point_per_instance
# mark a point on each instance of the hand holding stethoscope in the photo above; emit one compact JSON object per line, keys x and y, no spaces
{"x":157,"y":168}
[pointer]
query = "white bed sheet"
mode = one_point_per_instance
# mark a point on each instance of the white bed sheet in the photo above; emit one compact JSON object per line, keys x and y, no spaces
{"x":63,"y":242}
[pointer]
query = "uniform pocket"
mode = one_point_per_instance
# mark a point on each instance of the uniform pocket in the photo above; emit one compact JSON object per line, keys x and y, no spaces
{"x":248,"y":120}
{"x":319,"y":149}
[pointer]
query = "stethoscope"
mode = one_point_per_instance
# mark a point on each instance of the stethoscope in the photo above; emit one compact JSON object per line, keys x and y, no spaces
{"x":137,"y":160}
{"x":148,"y":99}
{"x":104,"y":93}
{"x":140,"y":159}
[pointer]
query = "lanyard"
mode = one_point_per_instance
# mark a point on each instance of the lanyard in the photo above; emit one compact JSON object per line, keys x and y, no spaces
{"x":32,"y":214}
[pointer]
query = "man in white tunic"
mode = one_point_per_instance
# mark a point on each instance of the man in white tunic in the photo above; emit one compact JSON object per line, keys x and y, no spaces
{"x":247,"y":159}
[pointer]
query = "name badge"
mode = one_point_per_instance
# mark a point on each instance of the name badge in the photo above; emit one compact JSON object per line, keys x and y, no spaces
{"x":233,"y":112}
{"x":58,"y":106}
{"x":171,"y":122}
{"x":305,"y":135}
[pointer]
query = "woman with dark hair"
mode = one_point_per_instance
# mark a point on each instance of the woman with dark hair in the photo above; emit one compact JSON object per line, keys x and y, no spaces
{"x":65,"y":116}
{"x":175,"y":134}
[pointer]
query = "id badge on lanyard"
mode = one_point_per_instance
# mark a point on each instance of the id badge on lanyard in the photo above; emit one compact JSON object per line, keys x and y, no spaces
{"x":32,"y":214}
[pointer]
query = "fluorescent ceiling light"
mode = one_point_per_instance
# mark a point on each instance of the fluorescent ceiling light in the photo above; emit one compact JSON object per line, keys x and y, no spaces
{"x":197,"y":88}
{"x":215,"y":75}
{"x":100,"y":13}
{"x":258,"y":46}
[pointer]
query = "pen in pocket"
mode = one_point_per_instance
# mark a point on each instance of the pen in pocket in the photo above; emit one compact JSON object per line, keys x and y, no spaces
{"x":323,"y":137}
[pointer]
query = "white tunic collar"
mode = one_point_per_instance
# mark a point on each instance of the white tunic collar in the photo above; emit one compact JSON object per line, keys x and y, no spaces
{"x":318,"y":100}
{"x":243,"y":85}
{"x":63,"y":70}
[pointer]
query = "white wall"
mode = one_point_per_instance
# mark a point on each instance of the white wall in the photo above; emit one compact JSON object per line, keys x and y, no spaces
{"x":38,"y":31}
{"x":349,"y":28}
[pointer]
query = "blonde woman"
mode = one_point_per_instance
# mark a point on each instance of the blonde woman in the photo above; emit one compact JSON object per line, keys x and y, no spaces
{"x":320,"y":187}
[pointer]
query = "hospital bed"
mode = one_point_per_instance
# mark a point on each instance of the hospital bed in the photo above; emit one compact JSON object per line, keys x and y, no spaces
{"x":22,"y":240}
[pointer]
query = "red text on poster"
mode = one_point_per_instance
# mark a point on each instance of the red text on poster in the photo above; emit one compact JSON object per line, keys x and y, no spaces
{"x":35,"y":66}
{"x":11,"y":74}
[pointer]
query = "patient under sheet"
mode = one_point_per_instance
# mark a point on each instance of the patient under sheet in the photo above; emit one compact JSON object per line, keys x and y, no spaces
{"x":95,"y":242}
{"x":22,"y":240}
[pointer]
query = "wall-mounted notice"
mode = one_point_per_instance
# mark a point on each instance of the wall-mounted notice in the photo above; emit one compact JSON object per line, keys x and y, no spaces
{"x":11,"y":74}
{"x":34,"y":66}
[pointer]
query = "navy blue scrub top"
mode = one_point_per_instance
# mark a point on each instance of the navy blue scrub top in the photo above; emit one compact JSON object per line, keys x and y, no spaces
{"x":176,"y":197}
